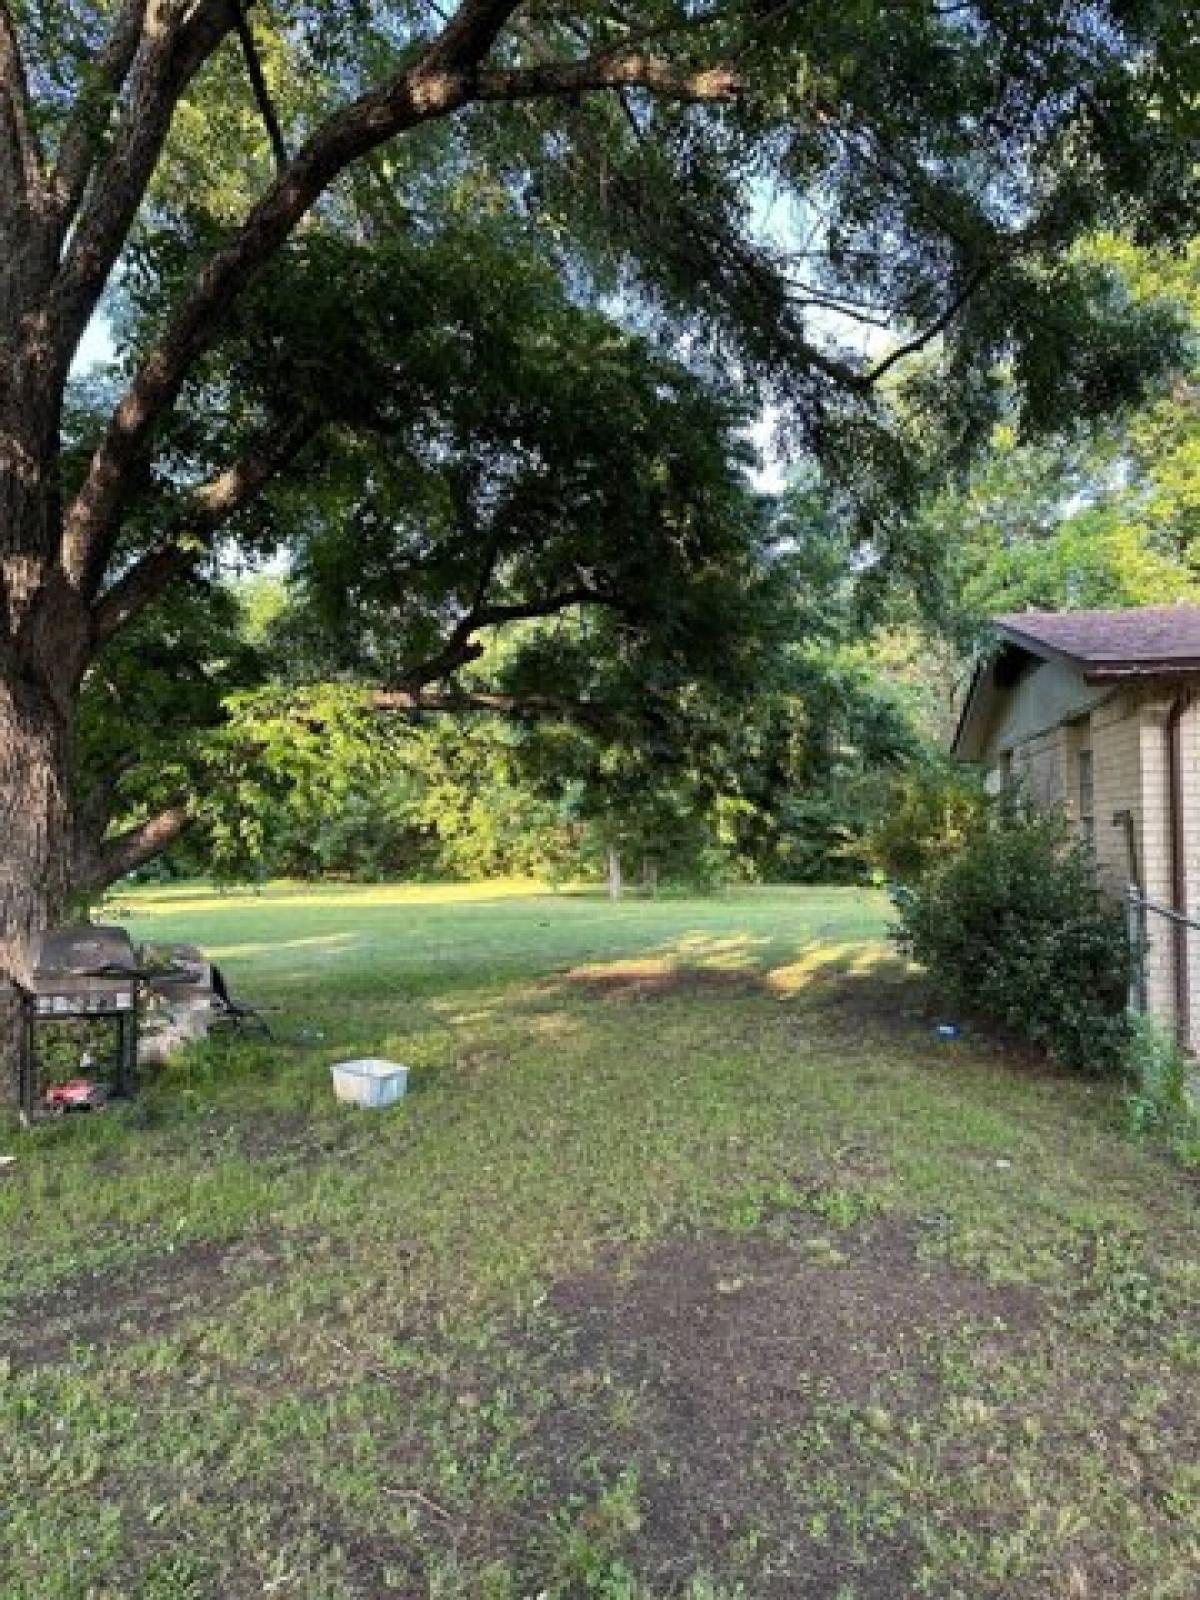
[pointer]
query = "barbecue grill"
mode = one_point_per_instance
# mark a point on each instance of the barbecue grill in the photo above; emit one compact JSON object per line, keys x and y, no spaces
{"x":82,"y":974}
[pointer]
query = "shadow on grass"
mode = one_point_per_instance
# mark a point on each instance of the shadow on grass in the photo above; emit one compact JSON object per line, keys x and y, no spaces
{"x":863,"y":981}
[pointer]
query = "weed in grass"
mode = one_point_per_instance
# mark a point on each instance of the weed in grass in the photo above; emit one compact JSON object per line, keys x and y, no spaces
{"x":843,"y":1207}
{"x":176,"y":1577}
{"x":1121,"y":1289}
{"x":586,"y":1546}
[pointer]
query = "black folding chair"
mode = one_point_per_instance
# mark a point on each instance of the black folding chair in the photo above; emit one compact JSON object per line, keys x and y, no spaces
{"x":237,"y":1013}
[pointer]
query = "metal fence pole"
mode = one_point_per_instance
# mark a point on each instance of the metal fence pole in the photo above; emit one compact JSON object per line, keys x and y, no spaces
{"x":1135,"y":923}
{"x":1178,"y":925}
{"x":1143,"y":948}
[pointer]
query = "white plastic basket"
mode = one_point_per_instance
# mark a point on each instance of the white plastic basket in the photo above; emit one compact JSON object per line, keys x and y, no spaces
{"x":369,"y":1082}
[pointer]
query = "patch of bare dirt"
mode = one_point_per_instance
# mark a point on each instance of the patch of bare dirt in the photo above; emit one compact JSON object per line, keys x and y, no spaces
{"x":293,"y":1138}
{"x":874,"y":1000}
{"x":730,"y":1346}
{"x":700,"y":1371}
{"x":140,"y":1300}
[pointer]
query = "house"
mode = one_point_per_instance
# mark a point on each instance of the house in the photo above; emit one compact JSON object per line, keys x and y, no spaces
{"x":1099,"y":712}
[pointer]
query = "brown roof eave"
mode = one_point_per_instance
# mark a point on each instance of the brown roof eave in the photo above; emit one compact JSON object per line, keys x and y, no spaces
{"x":1099,"y":672}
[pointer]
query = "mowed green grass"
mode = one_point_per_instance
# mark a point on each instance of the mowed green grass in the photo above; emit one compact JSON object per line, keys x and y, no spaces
{"x":693,"y":1264}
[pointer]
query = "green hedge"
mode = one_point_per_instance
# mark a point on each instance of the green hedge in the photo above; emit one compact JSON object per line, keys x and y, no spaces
{"x":1012,"y":927}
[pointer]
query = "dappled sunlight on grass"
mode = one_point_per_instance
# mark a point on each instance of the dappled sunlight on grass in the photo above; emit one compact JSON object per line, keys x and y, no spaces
{"x":823,"y":964}
{"x":695,"y":961}
{"x":475,"y":1017}
{"x":651,"y":976}
{"x":555,"y":1024}
{"x":315,"y":943}
{"x":632,"y":968}
{"x":703,"y":949}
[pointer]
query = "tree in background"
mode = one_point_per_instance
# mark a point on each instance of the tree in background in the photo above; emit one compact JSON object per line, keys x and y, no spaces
{"x":321,"y":785}
{"x":751,"y":732}
{"x":1108,"y":517}
{"x":784,"y":786}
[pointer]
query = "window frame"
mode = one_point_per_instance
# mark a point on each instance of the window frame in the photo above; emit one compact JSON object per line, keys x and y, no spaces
{"x":1085,"y":793}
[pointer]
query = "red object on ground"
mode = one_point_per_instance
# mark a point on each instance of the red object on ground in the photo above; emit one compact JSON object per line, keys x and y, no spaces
{"x":81,"y":1094}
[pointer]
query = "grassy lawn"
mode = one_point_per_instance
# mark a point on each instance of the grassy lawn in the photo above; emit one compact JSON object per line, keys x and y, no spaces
{"x":693,"y":1265}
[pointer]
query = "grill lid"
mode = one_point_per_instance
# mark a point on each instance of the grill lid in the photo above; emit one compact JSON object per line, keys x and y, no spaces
{"x":97,"y":953}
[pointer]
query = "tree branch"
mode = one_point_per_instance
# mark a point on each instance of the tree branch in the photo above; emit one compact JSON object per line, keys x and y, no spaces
{"x":20,"y":153}
{"x":245,"y":479}
{"x":209,"y":507}
{"x":460,"y":648}
{"x":139,"y":586}
{"x":415,"y":701}
{"x":470,"y":33}
{"x":258,"y":84}
{"x":81,"y":140}
{"x":939,"y":325}
{"x":618,"y":68}
{"x":114,"y":858}
{"x":171,"y":49}
{"x":549,"y":606}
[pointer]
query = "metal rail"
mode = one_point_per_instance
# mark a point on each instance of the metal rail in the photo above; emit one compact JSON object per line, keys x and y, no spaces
{"x":1139,"y":908}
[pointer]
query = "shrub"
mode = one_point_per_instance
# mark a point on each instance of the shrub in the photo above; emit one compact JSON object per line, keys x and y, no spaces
{"x":1013,"y":927}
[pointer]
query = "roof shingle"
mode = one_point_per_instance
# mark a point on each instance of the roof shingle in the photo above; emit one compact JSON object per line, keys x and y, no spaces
{"x":1142,"y":639}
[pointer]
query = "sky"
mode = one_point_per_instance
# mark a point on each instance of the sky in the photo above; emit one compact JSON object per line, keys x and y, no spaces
{"x":96,"y":346}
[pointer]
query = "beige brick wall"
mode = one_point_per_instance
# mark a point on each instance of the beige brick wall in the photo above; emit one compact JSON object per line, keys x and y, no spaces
{"x":1190,"y":792}
{"x":1116,"y":743}
{"x":1156,"y":851}
{"x":1127,"y":735}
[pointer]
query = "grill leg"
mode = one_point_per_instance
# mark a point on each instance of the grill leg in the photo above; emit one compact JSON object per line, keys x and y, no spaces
{"x":27,"y":1067}
{"x":127,"y":1055}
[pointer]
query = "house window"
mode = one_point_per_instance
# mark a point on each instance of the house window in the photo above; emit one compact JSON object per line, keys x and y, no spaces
{"x":1087,"y":797}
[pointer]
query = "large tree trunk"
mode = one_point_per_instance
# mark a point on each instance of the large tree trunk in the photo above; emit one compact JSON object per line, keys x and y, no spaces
{"x":35,"y":839}
{"x":45,"y":632}
{"x":35,"y":818}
